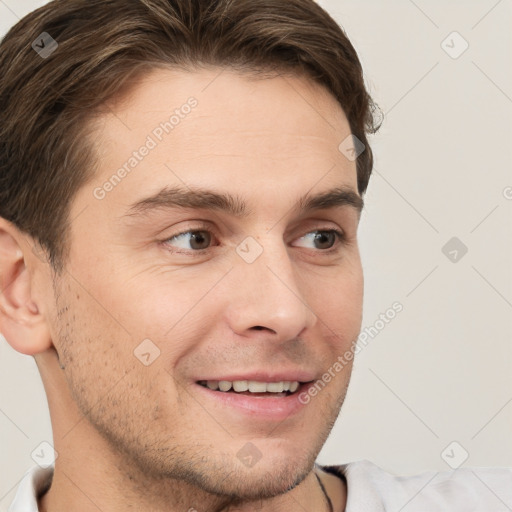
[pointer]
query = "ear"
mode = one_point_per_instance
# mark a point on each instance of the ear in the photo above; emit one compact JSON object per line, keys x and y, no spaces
{"x":21,"y":321}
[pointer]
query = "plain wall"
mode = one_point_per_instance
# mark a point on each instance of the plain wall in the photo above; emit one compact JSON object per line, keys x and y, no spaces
{"x":441,"y":370}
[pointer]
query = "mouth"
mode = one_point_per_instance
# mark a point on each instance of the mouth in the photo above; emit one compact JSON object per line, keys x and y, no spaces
{"x":267,"y":402}
{"x":254,"y":388}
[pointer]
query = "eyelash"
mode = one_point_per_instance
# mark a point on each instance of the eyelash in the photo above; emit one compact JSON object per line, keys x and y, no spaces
{"x":204,"y":228}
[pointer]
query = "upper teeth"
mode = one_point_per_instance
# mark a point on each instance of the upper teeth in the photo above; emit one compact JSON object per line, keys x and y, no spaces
{"x":253,"y":386}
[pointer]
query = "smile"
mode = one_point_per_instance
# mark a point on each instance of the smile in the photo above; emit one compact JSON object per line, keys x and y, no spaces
{"x":256,"y":400}
{"x":281,"y":388}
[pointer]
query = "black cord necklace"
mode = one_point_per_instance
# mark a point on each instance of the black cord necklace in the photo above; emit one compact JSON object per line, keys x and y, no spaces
{"x":331,"y":509}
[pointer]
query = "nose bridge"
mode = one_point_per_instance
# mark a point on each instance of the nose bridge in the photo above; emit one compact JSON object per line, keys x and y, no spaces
{"x":267,"y":291}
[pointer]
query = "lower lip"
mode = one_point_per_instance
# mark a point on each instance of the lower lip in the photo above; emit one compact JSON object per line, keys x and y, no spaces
{"x":260,"y":407}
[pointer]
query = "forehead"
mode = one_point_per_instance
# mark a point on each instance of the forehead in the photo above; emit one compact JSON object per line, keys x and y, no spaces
{"x":228,"y":93}
{"x":217,"y":128}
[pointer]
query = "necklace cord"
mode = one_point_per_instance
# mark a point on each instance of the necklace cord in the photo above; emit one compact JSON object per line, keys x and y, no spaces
{"x":331,"y":509}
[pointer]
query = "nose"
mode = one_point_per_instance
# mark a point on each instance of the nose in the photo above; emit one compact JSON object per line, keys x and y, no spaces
{"x":268,"y":293}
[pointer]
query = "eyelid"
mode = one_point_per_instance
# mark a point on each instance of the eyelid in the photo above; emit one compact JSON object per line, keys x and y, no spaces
{"x":190,"y":229}
{"x":341,"y":236}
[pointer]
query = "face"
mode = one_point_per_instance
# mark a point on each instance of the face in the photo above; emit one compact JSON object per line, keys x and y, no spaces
{"x":161,"y":301}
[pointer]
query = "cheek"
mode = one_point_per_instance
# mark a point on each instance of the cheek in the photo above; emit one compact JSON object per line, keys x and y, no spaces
{"x":108,"y":378}
{"x":95,"y":341}
{"x":340,"y":318}
{"x":340,"y":299}
{"x":161,"y":291}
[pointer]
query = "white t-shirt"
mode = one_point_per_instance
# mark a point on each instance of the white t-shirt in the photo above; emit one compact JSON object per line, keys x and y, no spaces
{"x":369,"y":489}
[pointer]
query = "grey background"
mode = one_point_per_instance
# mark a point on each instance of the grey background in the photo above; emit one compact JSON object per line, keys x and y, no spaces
{"x":441,"y":370}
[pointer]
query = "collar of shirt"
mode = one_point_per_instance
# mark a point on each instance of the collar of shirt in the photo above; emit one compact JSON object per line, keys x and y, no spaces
{"x":369,"y":489}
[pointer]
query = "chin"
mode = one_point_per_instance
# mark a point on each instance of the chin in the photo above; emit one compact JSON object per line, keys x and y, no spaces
{"x":263,"y":483}
{"x":275,"y":473}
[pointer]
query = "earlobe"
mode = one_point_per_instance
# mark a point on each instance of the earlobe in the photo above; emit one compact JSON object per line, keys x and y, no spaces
{"x":21,"y":322}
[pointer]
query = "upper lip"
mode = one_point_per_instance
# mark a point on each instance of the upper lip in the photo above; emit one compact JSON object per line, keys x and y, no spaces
{"x":266,"y":376}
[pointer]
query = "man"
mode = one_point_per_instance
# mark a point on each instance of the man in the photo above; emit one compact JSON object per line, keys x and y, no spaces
{"x":181,"y":187}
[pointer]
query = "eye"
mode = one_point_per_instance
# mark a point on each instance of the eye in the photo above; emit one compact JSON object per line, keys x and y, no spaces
{"x":324,"y":237}
{"x":199,"y":240}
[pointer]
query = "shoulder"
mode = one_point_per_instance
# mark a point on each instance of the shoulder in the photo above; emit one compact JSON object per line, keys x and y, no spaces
{"x":372,"y":488}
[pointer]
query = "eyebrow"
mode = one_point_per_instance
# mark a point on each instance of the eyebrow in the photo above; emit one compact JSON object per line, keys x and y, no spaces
{"x":199,"y":198}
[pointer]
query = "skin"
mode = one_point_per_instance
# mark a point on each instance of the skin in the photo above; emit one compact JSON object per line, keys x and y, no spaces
{"x":136,"y":437}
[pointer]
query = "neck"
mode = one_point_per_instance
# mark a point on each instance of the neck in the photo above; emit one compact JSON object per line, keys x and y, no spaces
{"x":74,"y":491}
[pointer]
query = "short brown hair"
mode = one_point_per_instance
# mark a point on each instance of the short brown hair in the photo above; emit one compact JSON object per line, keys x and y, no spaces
{"x":47,"y":104}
